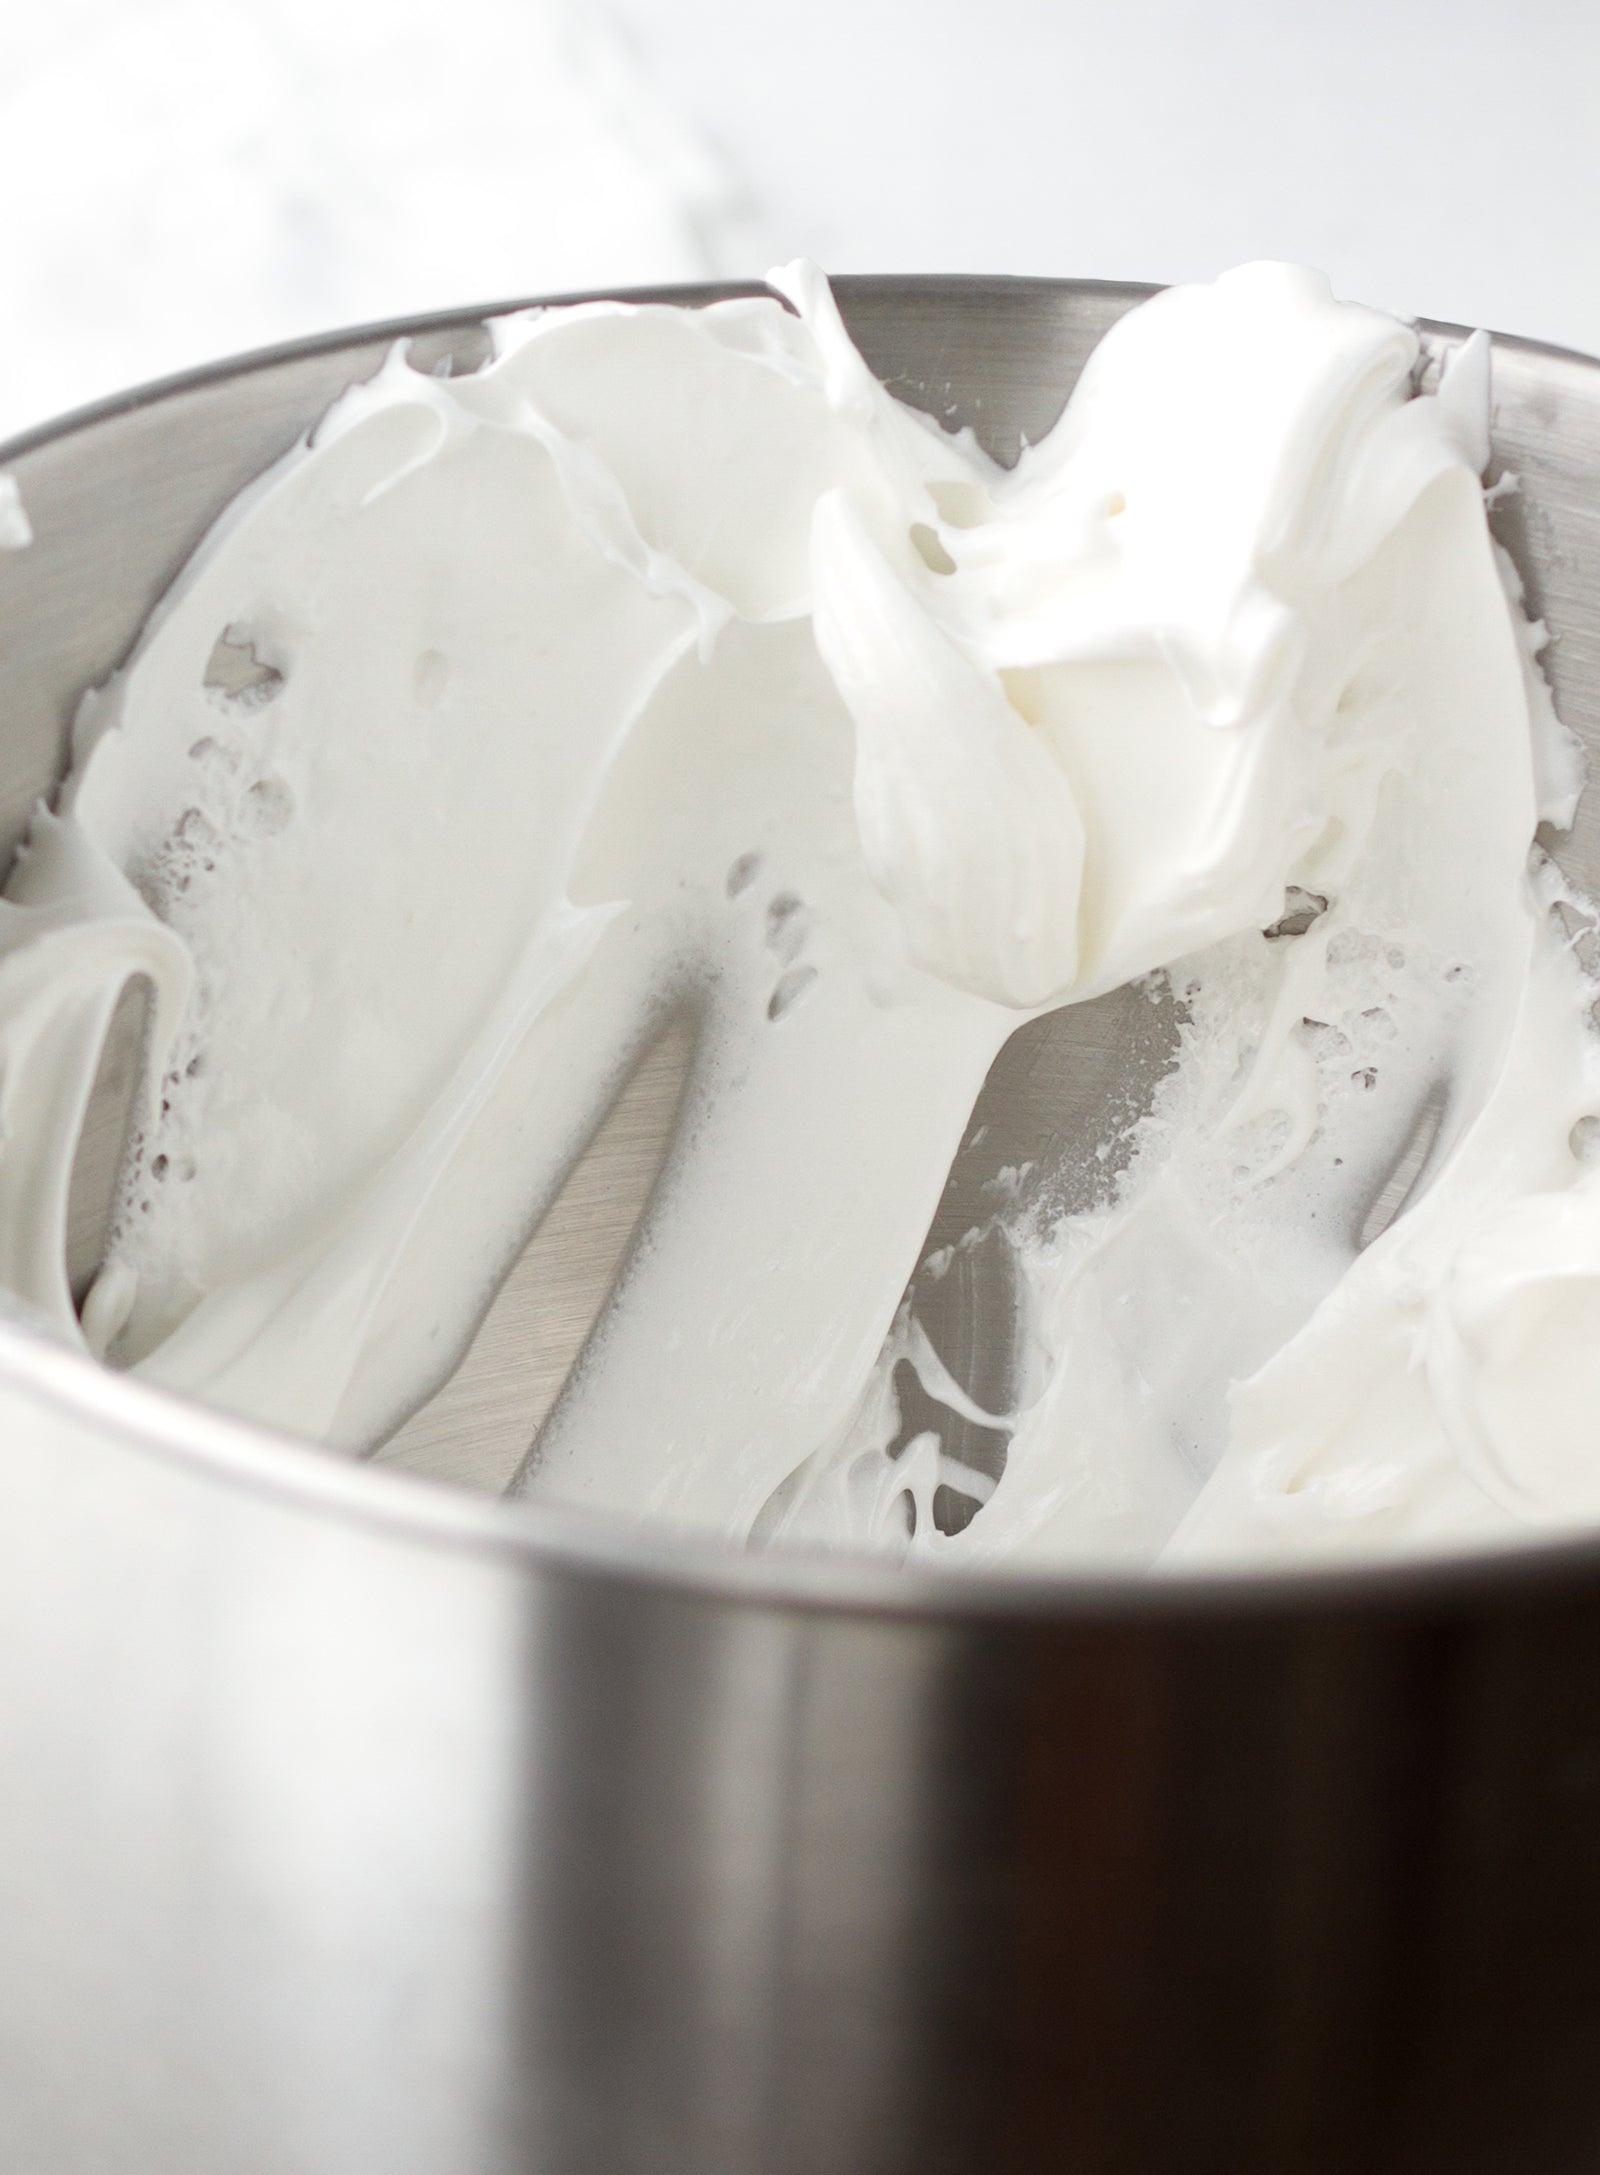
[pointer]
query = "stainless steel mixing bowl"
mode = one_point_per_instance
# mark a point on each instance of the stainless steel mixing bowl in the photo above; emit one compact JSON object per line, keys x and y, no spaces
{"x":352,"y":1825}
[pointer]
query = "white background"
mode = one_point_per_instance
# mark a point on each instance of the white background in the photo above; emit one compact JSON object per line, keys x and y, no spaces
{"x":184,"y":178}
{"x":1436,"y":156}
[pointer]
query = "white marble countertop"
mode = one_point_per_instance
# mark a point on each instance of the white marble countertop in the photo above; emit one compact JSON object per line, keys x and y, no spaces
{"x":186,"y":178}
{"x":1440,"y":157}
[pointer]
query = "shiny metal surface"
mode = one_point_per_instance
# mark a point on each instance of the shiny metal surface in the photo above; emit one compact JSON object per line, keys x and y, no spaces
{"x":349,"y":1824}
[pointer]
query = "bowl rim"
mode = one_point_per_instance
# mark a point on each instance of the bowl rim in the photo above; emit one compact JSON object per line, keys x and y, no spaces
{"x":552,"y":1540}
{"x":682,"y":294}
